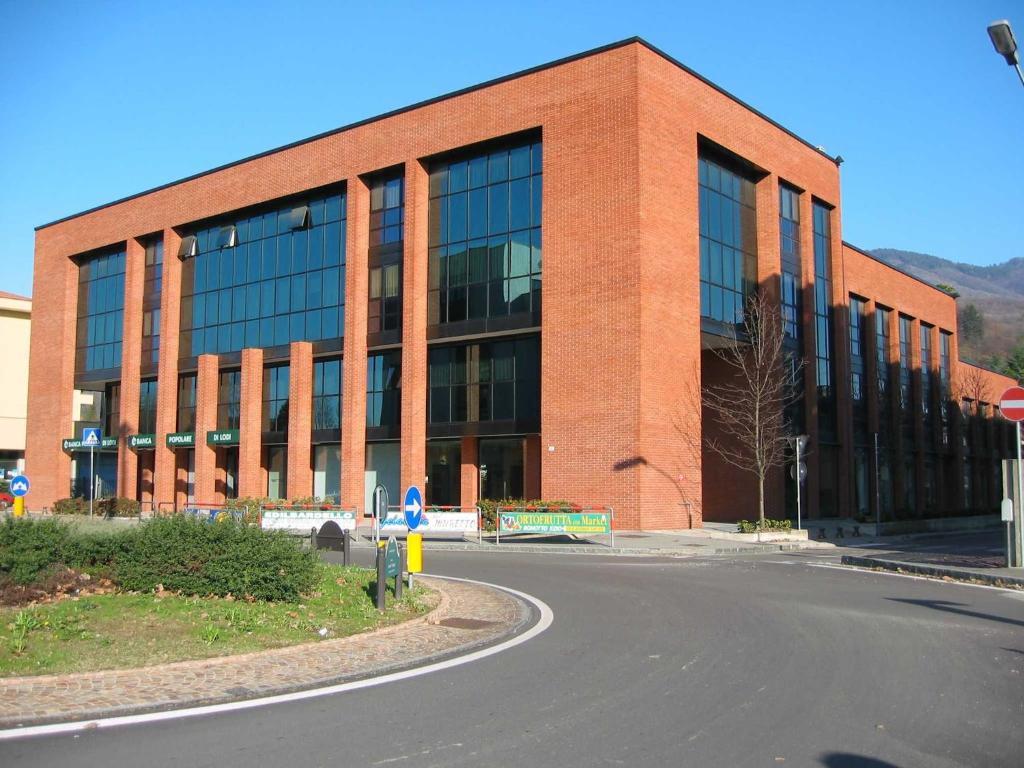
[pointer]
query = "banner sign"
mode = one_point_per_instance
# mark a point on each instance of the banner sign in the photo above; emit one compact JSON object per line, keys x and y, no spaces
{"x":441,"y":521}
{"x":555,"y":522}
{"x":304,"y":519}
{"x":222,"y":437}
{"x":180,"y":440}
{"x":72,"y":444}
{"x":141,"y":441}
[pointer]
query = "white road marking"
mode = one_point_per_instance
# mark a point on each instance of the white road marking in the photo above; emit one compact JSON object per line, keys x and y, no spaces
{"x":546,"y":618}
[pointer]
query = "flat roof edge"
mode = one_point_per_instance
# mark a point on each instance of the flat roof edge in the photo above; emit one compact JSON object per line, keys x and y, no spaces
{"x":434,"y":100}
{"x":893,"y":267}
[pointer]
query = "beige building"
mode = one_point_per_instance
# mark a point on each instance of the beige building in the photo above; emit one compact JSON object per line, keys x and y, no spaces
{"x":15,"y":321}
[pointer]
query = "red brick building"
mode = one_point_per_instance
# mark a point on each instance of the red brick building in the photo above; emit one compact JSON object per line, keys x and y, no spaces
{"x":499,"y":292}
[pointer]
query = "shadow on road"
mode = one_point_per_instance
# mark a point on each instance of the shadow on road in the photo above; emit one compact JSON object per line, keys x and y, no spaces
{"x":950,"y":607}
{"x":850,"y":760}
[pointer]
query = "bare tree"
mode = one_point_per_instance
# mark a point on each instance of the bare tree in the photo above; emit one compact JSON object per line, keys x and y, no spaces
{"x":973,"y":384}
{"x":749,"y":408}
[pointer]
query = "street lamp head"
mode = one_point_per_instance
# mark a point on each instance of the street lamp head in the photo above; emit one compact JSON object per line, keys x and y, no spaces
{"x":1003,"y":41}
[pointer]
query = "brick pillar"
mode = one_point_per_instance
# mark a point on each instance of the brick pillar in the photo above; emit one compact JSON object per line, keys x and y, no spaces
{"x":165,"y":461}
{"x":470,"y":471}
{"x":206,"y":491}
{"x":131,"y":356}
{"x":532,"y":458}
{"x":300,"y":419}
{"x":809,"y":498}
{"x":250,"y":431}
{"x":414,"y":328}
{"x":915,"y":414}
{"x":353,"y":395}
{"x":769,"y":272}
{"x":51,"y":374}
{"x":871,"y":394}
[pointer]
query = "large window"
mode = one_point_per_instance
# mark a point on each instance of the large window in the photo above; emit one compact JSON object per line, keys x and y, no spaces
{"x":112,"y":409}
{"x":151,"y":289}
{"x":383,"y":389}
{"x":387,"y":210}
{"x":823,"y":321}
{"x":906,"y":325}
{"x":858,"y":387}
{"x":728,"y":242}
{"x":385,"y":296}
{"x":491,"y":381}
{"x":789,"y":247}
{"x":275,"y":398}
{"x":186,"y":421}
{"x":485,"y":236}
{"x":882,"y":356}
{"x":327,"y":394}
{"x":266,"y":279}
{"x":229,"y":397}
{"x":100,"y":311}
{"x":147,"y":407}
{"x":926,"y":370}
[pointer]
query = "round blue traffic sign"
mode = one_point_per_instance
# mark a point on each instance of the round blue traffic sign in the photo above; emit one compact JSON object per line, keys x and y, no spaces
{"x":19,"y":485}
{"x":413,"y":507}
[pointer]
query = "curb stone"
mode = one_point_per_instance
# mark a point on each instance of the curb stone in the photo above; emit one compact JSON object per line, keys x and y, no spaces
{"x":936,"y":571}
{"x":493,"y":616}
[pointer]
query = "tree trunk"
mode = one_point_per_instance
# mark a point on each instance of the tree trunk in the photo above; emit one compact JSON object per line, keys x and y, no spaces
{"x":760,"y":497}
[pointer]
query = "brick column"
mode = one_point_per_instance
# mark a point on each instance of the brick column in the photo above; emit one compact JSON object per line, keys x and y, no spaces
{"x":131,"y":357}
{"x":871,"y":393}
{"x":470,"y":471}
{"x":532,"y":467}
{"x":414,"y":328}
{"x":840,"y":300}
{"x":250,"y":426}
{"x":353,"y":395}
{"x":206,"y":491}
{"x":300,"y":418}
{"x":809,"y":498}
{"x":165,"y":461}
{"x":915,"y":413}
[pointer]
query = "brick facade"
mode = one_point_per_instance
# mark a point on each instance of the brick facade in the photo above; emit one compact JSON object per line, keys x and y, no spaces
{"x":620,"y":338}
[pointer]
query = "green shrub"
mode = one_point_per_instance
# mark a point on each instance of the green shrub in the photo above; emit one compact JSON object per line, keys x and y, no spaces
{"x":250,"y":506}
{"x":199,"y":558}
{"x":117,"y":507}
{"x":748,"y":526}
{"x":29,"y":548}
{"x":73,"y":506}
{"x":89,"y":551}
{"x":489,"y":508}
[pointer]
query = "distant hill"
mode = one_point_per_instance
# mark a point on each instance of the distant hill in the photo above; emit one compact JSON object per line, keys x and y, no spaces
{"x":997,"y":291}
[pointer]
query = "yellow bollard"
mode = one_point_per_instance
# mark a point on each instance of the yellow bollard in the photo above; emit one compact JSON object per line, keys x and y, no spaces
{"x":414,"y":544}
{"x":19,"y":506}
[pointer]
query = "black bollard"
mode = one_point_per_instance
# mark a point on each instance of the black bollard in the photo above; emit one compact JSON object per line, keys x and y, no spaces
{"x":381,"y":579}
{"x":346,"y":547}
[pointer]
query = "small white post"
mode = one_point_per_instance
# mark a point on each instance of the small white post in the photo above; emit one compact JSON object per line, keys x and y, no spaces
{"x":92,"y":476}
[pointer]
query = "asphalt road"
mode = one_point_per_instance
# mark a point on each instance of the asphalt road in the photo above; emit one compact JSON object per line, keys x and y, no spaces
{"x":741,"y":661}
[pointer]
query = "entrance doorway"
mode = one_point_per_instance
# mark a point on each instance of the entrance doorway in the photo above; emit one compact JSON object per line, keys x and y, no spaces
{"x":444,"y":473}
{"x":501,"y":468}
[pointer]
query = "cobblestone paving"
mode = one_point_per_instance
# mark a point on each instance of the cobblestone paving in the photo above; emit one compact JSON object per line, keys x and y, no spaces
{"x":466,"y":616}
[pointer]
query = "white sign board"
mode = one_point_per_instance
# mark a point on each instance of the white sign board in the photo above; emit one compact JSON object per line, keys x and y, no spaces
{"x":302,"y":520}
{"x":432,"y":522}
{"x":1006,"y":508}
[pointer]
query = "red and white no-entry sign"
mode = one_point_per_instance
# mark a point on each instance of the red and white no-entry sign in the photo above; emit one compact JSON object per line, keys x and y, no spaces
{"x":1011,"y":404}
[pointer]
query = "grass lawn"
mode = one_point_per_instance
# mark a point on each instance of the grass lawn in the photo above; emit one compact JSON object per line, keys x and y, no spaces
{"x":133,"y":630}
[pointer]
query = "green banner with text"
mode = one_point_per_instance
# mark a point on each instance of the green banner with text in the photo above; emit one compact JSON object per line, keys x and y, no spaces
{"x":555,"y":522}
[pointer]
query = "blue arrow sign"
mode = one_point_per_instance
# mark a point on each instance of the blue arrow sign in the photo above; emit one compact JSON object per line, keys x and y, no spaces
{"x":91,"y":437}
{"x":19,"y":485}
{"x":413,"y":507}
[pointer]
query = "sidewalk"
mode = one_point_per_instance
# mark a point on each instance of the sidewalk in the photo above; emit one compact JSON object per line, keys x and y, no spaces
{"x":681,"y":543}
{"x":467,"y":616}
{"x":977,"y":557}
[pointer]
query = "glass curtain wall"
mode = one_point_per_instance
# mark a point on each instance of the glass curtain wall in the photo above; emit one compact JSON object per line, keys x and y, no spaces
{"x":100,"y":311}
{"x":266,"y":279}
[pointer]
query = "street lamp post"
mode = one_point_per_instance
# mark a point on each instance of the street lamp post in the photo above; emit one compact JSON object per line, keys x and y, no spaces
{"x":1005,"y":44}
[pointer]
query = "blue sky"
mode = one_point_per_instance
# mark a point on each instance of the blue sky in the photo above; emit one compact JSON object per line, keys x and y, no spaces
{"x":100,"y":100}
